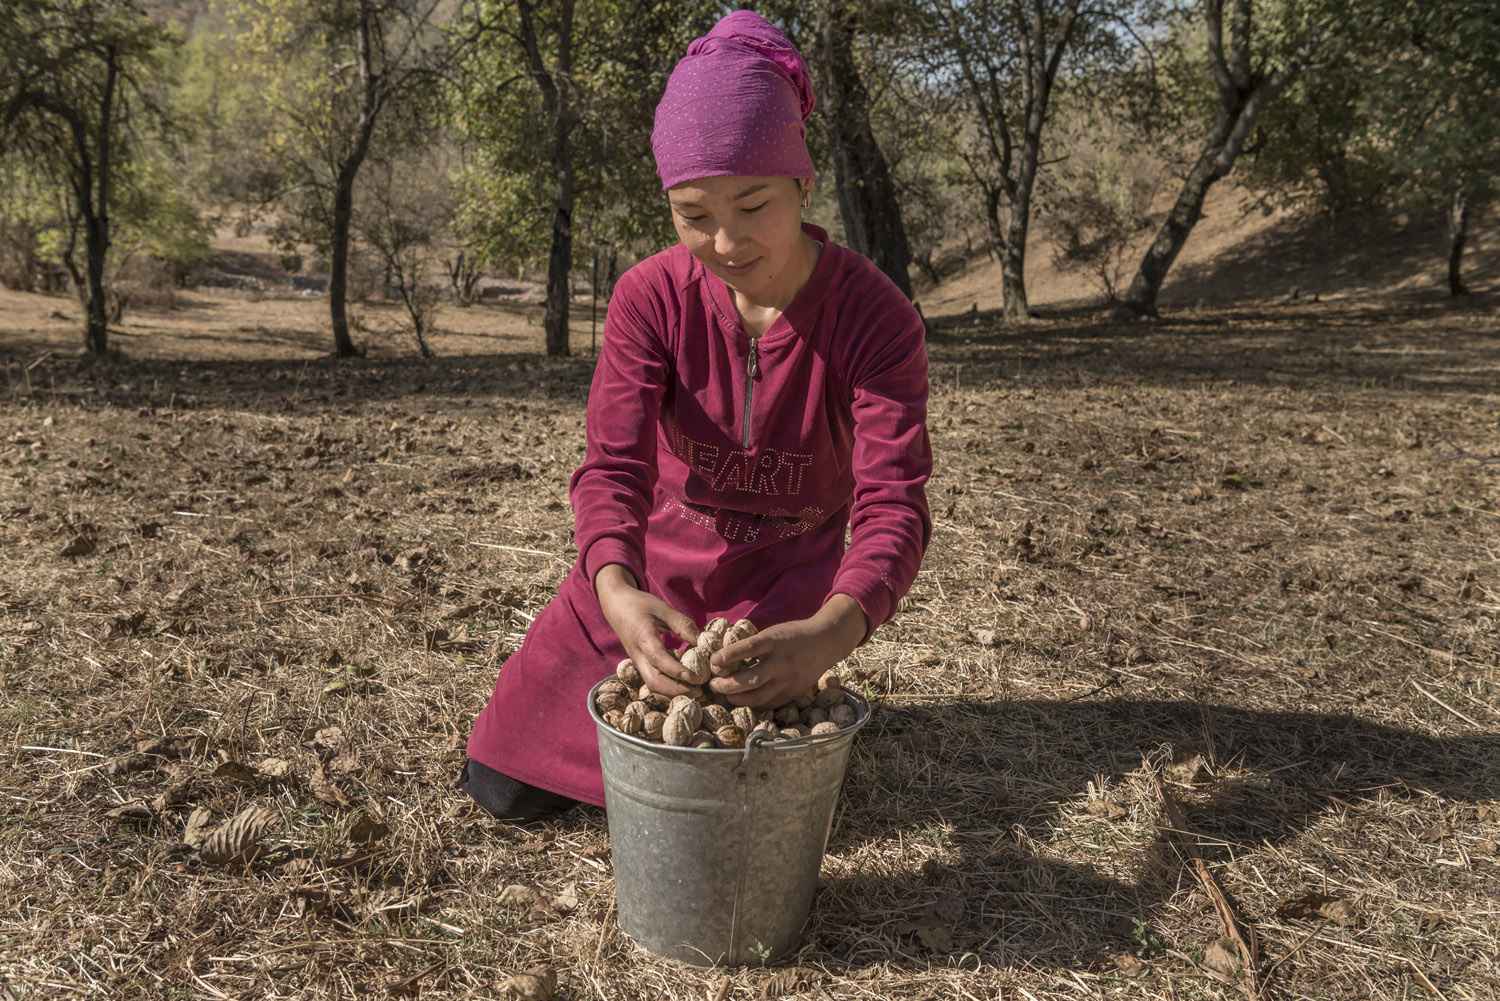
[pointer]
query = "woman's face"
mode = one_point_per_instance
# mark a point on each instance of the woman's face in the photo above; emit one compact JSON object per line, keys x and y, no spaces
{"x":746,"y":230}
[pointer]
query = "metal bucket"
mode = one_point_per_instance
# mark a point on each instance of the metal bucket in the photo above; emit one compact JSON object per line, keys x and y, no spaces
{"x":716,"y":852}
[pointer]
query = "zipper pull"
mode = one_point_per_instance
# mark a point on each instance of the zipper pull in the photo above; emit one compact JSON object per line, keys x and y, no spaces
{"x":752,"y":366}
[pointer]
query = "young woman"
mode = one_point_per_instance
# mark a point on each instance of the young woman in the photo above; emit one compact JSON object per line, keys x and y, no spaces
{"x":760,"y":391}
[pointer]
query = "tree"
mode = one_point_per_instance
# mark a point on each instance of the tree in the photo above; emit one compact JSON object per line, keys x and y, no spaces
{"x":1430,"y":113}
{"x":868,"y":202}
{"x":556,"y":107}
{"x":997,"y":49}
{"x":334,"y":72}
{"x":1250,"y":64}
{"x":78,"y":94}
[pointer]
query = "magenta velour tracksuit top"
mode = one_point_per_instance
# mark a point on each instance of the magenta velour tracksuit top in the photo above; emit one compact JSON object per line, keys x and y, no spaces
{"x":723,"y":473}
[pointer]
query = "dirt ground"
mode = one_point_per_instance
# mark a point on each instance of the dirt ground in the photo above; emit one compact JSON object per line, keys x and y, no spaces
{"x":1244,"y":561}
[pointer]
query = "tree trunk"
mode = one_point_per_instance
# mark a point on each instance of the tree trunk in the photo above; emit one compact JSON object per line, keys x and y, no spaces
{"x":96,"y":218}
{"x":1458,"y":234}
{"x":867,"y":197}
{"x":1140,"y":299}
{"x":1242,"y":97}
{"x":338,"y":275}
{"x":96,"y":244}
{"x":560,"y":262}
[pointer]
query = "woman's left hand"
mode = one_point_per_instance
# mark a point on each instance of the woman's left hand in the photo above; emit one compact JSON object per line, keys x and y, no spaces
{"x":792,"y":655}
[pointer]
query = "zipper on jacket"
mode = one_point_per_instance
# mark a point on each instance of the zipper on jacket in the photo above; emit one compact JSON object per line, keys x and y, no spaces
{"x":752,"y":369}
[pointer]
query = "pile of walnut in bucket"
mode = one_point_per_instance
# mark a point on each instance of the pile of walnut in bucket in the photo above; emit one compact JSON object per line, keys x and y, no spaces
{"x":629,"y":706}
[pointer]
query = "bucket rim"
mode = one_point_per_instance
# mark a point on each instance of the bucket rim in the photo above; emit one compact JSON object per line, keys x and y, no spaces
{"x":862,"y":716}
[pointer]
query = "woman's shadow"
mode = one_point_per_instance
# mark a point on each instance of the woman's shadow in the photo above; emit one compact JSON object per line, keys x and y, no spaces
{"x":1030,"y":832}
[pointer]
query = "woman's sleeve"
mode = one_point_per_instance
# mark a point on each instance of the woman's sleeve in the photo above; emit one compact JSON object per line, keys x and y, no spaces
{"x":889,"y":524}
{"x":612,"y":490}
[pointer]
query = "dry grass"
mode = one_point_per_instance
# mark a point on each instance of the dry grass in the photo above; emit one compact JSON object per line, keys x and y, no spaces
{"x":1255,"y":550}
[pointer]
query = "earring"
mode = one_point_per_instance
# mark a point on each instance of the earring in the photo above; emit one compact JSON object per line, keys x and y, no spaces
{"x":807,"y":199}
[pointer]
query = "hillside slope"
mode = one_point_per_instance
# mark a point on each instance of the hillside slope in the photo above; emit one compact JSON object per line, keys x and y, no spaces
{"x":1239,"y":253}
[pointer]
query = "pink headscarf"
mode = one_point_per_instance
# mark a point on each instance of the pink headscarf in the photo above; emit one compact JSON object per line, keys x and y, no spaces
{"x":735,"y":104}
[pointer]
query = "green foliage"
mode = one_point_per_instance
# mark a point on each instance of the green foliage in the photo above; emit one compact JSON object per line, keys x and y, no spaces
{"x":82,"y":128}
{"x":622,"y":52}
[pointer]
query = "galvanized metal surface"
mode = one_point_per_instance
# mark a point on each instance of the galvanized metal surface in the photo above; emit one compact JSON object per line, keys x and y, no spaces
{"x":716,"y":852}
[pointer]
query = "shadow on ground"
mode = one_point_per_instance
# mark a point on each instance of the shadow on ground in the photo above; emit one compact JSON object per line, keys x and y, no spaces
{"x":1420,"y":343}
{"x":1006,"y":786}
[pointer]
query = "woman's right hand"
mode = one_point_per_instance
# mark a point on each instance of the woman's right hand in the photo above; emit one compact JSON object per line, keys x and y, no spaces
{"x":638,"y":619}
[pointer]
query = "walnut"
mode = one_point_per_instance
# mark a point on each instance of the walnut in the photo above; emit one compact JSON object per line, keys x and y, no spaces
{"x":612,"y":701}
{"x":712,"y":637}
{"x":843,"y":715}
{"x":613,"y":686}
{"x":828,"y":698}
{"x":695,"y":661}
{"x":715,"y":716}
{"x":788,"y":715}
{"x":632,"y":724}
{"x":810,"y":717}
{"x":652,"y":724}
{"x":638,"y":709}
{"x":793,"y":732}
{"x":830,"y":679}
{"x":823,"y":728}
{"x":729,"y":736}
{"x":629,"y":674}
{"x":730,"y":669}
{"x":806,"y":699}
{"x":652,"y":699}
{"x":744,"y":718}
{"x":677,"y":731}
{"x":703,"y":739}
{"x":613,"y":717}
{"x":684,"y":705}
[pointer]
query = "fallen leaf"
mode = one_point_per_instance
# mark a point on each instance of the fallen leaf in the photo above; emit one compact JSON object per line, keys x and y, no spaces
{"x":235,"y":839}
{"x":122,"y":764}
{"x":790,"y":980}
{"x":1223,"y":957}
{"x":949,"y":908}
{"x":234,"y":771}
{"x":567,"y":900}
{"x":368,"y":827}
{"x":1127,"y":964}
{"x":173,"y":795}
{"x":984,"y":636}
{"x":129,"y":625}
{"x":1105,"y":809}
{"x":536,"y":845}
{"x":327,"y":739}
{"x":1190,"y":772}
{"x":324,"y":788}
{"x":136,"y":811}
{"x":516,"y":896}
{"x":461,"y":612}
{"x":173,"y":747}
{"x":196,"y":830}
{"x":1436,"y":832}
{"x":79,"y":545}
{"x":935,"y":937}
{"x":921,"y":740}
{"x":181,"y":592}
{"x":1314,"y":906}
{"x":537,"y":984}
{"x":396,"y":904}
{"x":275,"y":768}
{"x":345,"y":761}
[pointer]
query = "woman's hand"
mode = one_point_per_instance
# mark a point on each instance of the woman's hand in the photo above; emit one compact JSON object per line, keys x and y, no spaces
{"x":638,"y":619}
{"x":792,"y":655}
